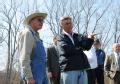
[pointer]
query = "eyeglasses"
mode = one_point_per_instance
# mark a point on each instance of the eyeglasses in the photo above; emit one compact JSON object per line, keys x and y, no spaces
{"x":40,"y":20}
{"x":67,"y":23}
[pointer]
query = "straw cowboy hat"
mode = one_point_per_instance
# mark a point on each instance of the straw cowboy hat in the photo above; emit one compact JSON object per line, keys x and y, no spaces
{"x":33,"y":15}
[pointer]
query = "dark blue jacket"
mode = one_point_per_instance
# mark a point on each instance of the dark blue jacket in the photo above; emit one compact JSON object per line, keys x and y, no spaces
{"x":72,"y":56}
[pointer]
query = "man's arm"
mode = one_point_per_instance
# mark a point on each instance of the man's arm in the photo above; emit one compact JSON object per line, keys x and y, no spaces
{"x":26,"y":45}
{"x":104,"y":56}
{"x":85,"y":43}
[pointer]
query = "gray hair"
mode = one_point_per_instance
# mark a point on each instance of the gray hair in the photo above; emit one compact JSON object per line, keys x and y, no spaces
{"x":64,"y":18}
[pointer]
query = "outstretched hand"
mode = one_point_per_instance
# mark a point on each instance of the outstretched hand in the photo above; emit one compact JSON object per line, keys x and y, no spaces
{"x":91,"y":36}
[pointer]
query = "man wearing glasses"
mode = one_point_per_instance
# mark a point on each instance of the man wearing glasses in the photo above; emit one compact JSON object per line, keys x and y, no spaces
{"x":32,"y":53}
{"x":73,"y":61}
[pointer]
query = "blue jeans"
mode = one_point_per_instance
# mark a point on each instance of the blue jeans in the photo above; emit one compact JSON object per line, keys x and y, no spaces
{"x":74,"y":77}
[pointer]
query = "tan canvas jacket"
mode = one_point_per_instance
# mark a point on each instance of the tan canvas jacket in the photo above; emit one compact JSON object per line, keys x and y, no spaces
{"x":25,"y":45}
{"x":110,"y":65}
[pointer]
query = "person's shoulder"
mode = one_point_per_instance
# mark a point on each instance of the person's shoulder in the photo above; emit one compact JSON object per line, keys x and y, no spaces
{"x":101,"y":50}
{"x":110,"y":55}
{"x":77,"y":33}
{"x":51,"y":46}
{"x":60,"y":37}
{"x":26,"y":32}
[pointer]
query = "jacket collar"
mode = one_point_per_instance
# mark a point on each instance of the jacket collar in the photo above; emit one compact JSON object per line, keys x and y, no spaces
{"x":64,"y":32}
{"x":35,"y":33}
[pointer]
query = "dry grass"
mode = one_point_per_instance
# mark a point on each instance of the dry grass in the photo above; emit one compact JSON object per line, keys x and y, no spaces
{"x":14,"y":78}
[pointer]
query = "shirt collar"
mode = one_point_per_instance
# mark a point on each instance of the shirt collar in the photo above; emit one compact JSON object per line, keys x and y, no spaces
{"x":116,"y":54}
{"x":70,"y":36}
{"x":35,"y":33}
{"x":93,"y":49}
{"x":67,"y":33}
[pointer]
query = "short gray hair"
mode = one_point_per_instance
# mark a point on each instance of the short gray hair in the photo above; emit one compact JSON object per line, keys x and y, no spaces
{"x":64,"y":18}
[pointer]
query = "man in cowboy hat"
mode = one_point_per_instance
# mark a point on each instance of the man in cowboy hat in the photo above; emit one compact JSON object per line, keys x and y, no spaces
{"x":32,"y":53}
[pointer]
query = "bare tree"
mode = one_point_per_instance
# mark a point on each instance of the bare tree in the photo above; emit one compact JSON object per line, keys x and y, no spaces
{"x":117,"y":29}
{"x":12,"y":15}
{"x":59,"y":8}
{"x":1,"y":38}
{"x":10,"y":24}
{"x":87,"y":17}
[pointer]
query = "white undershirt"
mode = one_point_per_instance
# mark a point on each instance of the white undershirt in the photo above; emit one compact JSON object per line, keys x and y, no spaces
{"x":92,"y":58}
